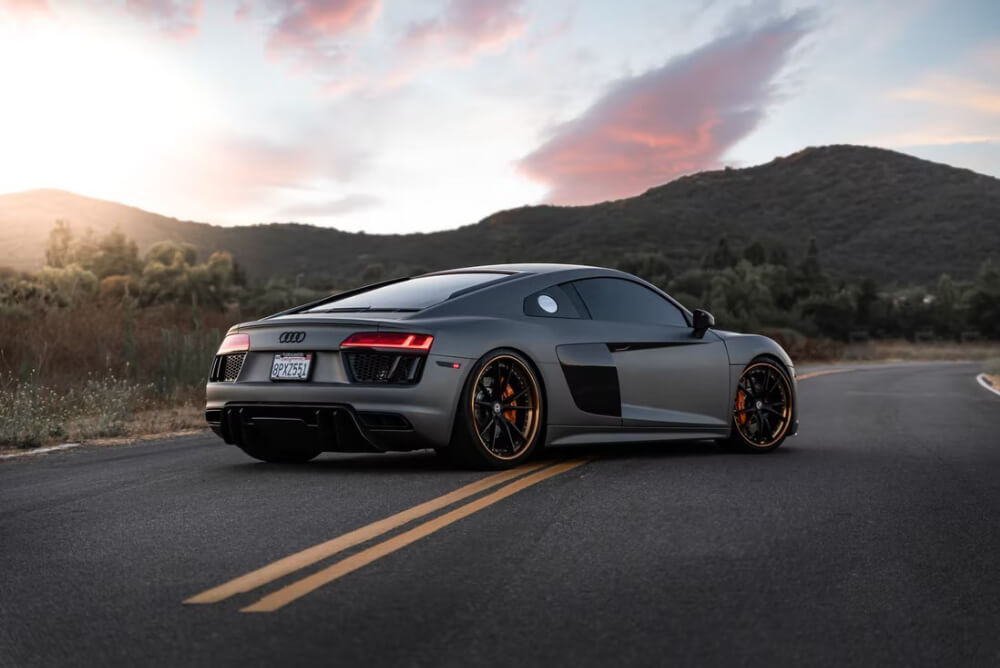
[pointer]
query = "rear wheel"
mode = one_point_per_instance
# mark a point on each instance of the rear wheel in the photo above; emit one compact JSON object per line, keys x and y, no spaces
{"x":762,"y":410}
{"x":500,"y":419}
{"x":267,"y":451}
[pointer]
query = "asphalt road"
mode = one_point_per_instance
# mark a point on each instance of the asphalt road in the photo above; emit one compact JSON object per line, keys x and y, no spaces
{"x":873,"y":537}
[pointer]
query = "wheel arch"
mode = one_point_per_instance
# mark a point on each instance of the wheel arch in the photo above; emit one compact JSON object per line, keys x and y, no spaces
{"x":789,"y":372}
{"x":456,"y":409}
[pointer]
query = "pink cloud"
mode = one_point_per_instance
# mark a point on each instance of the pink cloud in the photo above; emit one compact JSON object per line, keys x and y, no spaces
{"x":673,"y":120}
{"x":469,"y":26}
{"x":177,"y":19}
{"x":309,"y":29}
{"x":26,"y":6}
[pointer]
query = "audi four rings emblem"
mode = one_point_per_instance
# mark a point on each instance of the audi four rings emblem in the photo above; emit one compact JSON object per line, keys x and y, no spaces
{"x":292,"y":337}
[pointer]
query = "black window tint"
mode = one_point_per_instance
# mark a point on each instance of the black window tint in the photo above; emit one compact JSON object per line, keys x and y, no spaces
{"x":625,"y":301}
{"x":552,"y":302}
{"x":416,"y":293}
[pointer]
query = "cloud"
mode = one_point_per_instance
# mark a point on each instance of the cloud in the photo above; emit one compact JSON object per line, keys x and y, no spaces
{"x":467,"y":27}
{"x":241,"y":172}
{"x":311,"y":30}
{"x":329,"y":208}
{"x":957,"y":106}
{"x":257,"y":162}
{"x":177,"y":19}
{"x":954,"y":92}
{"x":26,"y":7}
{"x":934,"y":136}
{"x":673,"y":120}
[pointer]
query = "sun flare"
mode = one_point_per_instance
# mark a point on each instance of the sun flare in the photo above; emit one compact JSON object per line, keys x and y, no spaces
{"x":80,"y":104}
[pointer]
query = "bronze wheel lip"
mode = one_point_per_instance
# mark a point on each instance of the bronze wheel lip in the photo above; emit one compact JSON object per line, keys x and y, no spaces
{"x":786,"y":408}
{"x":534,"y":412}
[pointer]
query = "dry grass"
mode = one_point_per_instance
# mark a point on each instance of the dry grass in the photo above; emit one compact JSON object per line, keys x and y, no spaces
{"x":103,"y":371}
{"x":169,"y":346}
{"x":158,"y":423}
{"x":922,"y":352}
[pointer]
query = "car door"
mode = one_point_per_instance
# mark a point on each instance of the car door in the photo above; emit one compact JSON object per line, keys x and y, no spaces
{"x":668,"y":377}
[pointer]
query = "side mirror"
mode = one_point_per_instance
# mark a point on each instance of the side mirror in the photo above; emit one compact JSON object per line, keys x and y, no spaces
{"x":702,"y":320}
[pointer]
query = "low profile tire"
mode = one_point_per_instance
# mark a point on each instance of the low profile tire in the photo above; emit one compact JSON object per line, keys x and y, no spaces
{"x":268,"y":452}
{"x":762,"y":408}
{"x":501,"y":414}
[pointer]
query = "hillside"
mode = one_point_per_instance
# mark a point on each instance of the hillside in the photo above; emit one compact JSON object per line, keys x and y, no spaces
{"x":874,"y":213}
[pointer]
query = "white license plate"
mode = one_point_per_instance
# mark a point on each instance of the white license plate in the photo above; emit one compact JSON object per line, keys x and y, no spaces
{"x":291,"y":366}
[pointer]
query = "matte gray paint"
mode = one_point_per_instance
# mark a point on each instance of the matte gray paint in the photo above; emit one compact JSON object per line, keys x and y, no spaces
{"x":683,"y":389}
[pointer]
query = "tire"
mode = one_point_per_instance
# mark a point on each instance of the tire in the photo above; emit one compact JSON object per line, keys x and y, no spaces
{"x":268,"y":452}
{"x":499,"y":429}
{"x":762,"y":408}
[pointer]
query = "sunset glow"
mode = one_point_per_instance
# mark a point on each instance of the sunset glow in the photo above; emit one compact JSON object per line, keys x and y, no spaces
{"x":390,"y":117}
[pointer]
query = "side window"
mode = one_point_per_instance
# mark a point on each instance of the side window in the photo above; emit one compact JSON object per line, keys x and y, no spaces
{"x":624,"y":301}
{"x":553,"y":302}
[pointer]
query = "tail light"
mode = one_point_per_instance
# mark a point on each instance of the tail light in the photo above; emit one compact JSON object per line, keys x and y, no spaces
{"x":393,"y":340}
{"x":234,"y":343}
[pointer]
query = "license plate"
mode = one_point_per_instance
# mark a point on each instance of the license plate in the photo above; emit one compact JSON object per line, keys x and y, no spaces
{"x":291,"y":366}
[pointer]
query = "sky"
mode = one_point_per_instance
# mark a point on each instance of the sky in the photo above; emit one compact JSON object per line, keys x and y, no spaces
{"x":391,"y":117}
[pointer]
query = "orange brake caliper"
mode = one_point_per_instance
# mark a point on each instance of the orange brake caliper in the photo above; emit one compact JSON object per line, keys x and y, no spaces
{"x":741,"y":403}
{"x":510,"y":414}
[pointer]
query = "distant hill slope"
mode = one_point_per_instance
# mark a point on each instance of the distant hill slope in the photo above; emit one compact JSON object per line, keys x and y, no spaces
{"x":873,"y":212}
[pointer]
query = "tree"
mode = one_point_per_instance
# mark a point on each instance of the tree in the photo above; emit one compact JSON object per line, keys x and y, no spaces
{"x":69,"y":284}
{"x":945,"y":316}
{"x":867,"y":297}
{"x":721,"y":257}
{"x":116,"y":255}
{"x":171,"y":252}
{"x":651,"y":266}
{"x":778,"y":255}
{"x":373,"y":273}
{"x":832,"y":314}
{"x":59,"y":250}
{"x":811,"y":268}
{"x":984,"y":300}
{"x":755,"y":253}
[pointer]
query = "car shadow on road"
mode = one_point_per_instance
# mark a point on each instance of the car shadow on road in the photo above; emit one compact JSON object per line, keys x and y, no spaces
{"x":650,"y":450}
{"x":428,"y":461}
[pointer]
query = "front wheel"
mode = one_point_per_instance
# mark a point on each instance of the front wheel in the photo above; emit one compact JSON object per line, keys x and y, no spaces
{"x":500,"y":420}
{"x":762,"y":410}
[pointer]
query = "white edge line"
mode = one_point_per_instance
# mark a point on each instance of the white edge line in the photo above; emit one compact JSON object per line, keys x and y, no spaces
{"x":981,"y":378}
{"x":41,"y":451}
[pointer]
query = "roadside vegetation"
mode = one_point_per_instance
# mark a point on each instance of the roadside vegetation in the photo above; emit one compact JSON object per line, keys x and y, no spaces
{"x":992,"y":372}
{"x":104,"y":341}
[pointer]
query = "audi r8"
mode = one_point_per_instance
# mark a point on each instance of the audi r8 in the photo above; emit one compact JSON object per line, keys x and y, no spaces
{"x":489,"y":364}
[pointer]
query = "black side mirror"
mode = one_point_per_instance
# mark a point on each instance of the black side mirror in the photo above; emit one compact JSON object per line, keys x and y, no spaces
{"x":702,"y":320}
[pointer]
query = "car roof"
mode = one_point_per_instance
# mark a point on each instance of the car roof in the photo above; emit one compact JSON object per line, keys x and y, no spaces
{"x":517,"y":268}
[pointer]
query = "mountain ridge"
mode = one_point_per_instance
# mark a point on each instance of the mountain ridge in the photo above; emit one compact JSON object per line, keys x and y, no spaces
{"x":873,"y":212}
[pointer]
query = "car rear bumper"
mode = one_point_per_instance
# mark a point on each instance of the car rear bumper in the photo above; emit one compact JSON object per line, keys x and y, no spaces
{"x":352,"y":417}
{"x":331,"y":427}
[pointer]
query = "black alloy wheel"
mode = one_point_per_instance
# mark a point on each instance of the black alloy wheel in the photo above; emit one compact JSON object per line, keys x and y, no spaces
{"x":762,"y":412}
{"x":501,"y":414}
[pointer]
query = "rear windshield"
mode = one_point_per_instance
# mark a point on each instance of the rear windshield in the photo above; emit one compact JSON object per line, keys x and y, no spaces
{"x":415,"y":293}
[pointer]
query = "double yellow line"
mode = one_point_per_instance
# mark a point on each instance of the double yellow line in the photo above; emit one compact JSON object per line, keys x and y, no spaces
{"x":523,"y":477}
{"x":295,"y":562}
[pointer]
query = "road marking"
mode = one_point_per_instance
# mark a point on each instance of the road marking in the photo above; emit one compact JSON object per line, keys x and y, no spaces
{"x":300,"y":588}
{"x":311,"y":555}
{"x":981,"y":379}
{"x":41,"y":451}
{"x":824,"y":372}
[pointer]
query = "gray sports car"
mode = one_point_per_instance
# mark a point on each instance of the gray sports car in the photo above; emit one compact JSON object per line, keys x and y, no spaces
{"x":489,"y":364}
